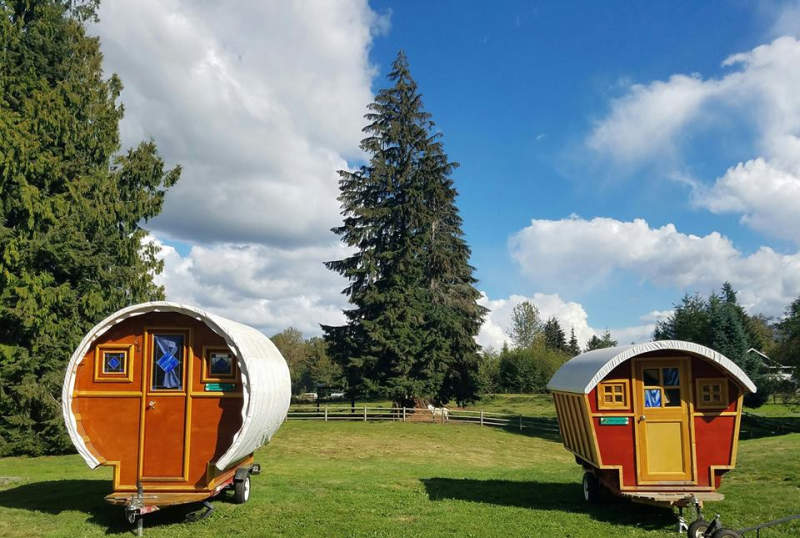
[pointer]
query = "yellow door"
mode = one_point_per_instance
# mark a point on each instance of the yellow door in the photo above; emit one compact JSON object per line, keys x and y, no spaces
{"x":662,"y":398}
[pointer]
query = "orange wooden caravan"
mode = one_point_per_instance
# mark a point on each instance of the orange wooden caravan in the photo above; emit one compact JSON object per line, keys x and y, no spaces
{"x":656,"y":422}
{"x":176,"y":400}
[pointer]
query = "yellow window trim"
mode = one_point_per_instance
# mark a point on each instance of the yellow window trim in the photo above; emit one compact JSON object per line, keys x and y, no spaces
{"x":710,"y":382}
{"x":611,"y":383}
{"x":101,"y":376}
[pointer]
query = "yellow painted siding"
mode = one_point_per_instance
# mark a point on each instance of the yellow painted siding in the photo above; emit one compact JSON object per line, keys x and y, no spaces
{"x":575,"y":424}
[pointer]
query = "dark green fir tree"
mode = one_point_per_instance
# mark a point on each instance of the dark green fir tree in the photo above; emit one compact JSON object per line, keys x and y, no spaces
{"x":71,"y":246}
{"x":573,"y":348}
{"x":554,"y":337}
{"x":410,"y":331}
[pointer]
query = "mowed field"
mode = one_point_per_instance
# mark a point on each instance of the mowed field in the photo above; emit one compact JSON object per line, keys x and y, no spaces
{"x":395,"y":479}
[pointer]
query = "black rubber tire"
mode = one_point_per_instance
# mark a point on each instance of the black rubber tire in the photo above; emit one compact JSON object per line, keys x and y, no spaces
{"x":697,"y":528}
{"x":241,"y":490}
{"x":726,"y":533}
{"x":591,"y":488}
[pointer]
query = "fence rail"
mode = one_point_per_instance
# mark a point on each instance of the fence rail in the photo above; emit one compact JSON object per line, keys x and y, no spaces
{"x":533,"y":425}
{"x":752,"y":425}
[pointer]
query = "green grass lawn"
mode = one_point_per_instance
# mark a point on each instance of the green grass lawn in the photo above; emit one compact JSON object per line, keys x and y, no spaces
{"x":394,"y":479}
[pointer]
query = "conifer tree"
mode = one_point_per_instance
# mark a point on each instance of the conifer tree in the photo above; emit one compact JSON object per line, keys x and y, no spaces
{"x":573,"y":348}
{"x":71,"y":247}
{"x":409,"y":333}
{"x":554,"y":337}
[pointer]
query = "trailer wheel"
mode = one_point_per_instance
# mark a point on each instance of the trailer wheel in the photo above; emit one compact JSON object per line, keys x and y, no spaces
{"x":726,"y":533}
{"x":697,"y":529}
{"x":591,"y":488}
{"x":241,"y":490}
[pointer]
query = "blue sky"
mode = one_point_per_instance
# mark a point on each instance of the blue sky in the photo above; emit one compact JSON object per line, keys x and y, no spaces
{"x":516,"y":86}
{"x":614,"y":156}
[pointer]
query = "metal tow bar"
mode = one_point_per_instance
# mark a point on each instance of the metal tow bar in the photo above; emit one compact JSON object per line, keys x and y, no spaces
{"x":714,"y":529}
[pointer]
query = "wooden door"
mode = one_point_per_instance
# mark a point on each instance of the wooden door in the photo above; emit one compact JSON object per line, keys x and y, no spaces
{"x":163,"y":443}
{"x":662,"y":403}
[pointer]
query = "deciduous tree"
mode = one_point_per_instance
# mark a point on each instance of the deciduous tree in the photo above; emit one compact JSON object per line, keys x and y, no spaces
{"x":526,"y":324}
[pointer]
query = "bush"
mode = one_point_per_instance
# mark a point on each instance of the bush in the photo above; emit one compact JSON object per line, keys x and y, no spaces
{"x":528,"y":369}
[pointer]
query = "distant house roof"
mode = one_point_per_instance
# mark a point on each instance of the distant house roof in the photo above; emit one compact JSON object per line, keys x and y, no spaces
{"x":583,"y":372}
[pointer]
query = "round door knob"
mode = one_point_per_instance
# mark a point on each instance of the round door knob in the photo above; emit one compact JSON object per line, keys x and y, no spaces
{"x":151,"y":404}
{"x":642,"y":418}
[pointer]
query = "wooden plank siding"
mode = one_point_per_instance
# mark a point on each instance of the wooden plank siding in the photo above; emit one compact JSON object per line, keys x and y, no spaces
{"x":575,"y":425}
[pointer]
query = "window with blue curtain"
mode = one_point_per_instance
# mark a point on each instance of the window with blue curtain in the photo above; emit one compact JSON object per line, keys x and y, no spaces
{"x":168,"y":361}
{"x":652,"y":398}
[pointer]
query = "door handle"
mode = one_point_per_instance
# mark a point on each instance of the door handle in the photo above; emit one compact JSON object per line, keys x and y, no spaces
{"x":642,"y":418}
{"x":151,"y":404}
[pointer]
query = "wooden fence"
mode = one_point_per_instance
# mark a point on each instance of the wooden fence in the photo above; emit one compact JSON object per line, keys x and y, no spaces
{"x":532,"y":425}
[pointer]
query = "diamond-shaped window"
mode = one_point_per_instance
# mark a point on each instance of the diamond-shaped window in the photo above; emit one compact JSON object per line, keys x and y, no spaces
{"x":114,"y":363}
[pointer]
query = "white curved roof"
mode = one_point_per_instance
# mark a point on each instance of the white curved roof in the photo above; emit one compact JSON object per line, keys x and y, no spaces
{"x":583,"y":372}
{"x":266,"y":386}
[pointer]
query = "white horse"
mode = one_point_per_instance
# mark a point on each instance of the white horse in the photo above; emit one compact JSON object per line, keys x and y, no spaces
{"x":441,"y":412}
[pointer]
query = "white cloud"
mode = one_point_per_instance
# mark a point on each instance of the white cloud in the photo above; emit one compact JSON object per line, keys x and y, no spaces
{"x":644,"y":122}
{"x":570,"y":315}
{"x":579,"y":254}
{"x":767,"y":197}
{"x":267,"y":287}
{"x":261,"y":103}
{"x":654,"y":120}
{"x":494,"y":331}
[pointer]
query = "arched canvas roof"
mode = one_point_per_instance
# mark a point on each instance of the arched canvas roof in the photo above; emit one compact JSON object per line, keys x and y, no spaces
{"x":583,"y":372}
{"x":266,"y":386}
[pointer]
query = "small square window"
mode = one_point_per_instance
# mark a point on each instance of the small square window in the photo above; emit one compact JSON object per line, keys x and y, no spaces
{"x":613,"y":395}
{"x":113,"y":363}
{"x":712,"y":393}
{"x":219,"y":363}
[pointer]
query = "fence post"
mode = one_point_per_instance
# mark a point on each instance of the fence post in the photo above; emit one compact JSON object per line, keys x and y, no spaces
{"x":365,"y":413}
{"x":326,"y":413}
{"x":404,"y":413}
{"x":481,"y":417}
{"x":520,"y":423}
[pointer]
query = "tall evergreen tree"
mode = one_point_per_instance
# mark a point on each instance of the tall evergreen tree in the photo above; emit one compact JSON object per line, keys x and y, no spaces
{"x":71,"y":247}
{"x":415,"y":312}
{"x":572,"y":347}
{"x":554,"y":337}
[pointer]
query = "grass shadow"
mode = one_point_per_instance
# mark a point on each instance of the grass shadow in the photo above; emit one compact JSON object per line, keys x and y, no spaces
{"x":86,"y":496}
{"x":755,"y":426}
{"x":555,"y":496}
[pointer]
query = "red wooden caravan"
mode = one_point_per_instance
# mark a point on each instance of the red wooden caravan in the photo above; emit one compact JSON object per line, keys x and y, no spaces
{"x":176,"y":400}
{"x":655,"y":422}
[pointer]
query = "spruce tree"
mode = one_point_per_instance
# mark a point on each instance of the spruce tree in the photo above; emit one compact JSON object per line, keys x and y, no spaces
{"x":410,"y":331}
{"x":71,"y":246}
{"x":554,"y":337}
{"x":573,"y":348}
